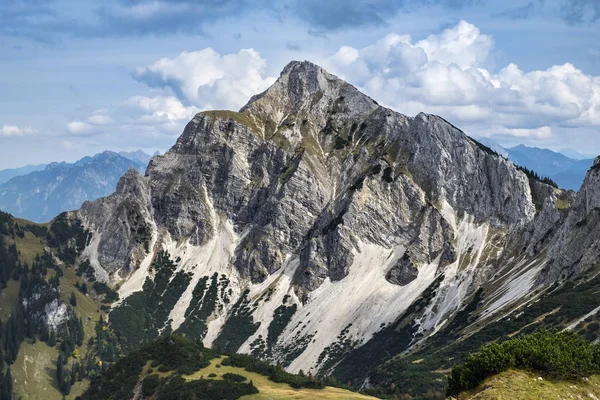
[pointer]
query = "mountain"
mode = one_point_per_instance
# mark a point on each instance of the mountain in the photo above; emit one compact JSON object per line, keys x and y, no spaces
{"x":574,"y":154}
{"x":8,"y":174}
{"x":41,"y":195}
{"x":332,"y":232}
{"x":316,"y":230}
{"x":320,"y":219}
{"x":137,"y":155}
{"x":567,"y":172}
{"x":494,"y":146}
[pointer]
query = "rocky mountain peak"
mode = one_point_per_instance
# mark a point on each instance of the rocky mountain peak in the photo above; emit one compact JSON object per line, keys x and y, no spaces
{"x":322,"y":195}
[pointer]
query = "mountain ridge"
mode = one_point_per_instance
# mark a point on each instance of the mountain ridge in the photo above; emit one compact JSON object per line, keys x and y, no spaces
{"x":60,"y":186}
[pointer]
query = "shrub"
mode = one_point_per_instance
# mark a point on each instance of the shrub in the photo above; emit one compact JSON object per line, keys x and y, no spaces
{"x":556,"y":355}
{"x":149,"y":385}
{"x":234,"y":377}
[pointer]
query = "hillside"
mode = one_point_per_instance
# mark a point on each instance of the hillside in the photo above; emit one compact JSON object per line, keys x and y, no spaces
{"x":542,"y":365}
{"x":175,"y":367}
{"x":519,"y":385}
{"x":45,"y":312}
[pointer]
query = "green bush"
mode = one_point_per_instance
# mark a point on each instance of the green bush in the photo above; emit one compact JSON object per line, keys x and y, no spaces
{"x":233,"y":377}
{"x":149,"y":385}
{"x":556,"y":355}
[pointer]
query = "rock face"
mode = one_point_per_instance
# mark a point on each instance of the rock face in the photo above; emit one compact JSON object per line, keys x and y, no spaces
{"x":576,"y":248}
{"x":328,"y":215}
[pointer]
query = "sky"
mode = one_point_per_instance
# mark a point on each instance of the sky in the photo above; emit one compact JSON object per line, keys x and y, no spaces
{"x":80,"y":77}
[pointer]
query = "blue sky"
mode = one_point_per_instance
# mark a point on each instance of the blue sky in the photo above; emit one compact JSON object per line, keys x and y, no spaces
{"x":79,"y":77}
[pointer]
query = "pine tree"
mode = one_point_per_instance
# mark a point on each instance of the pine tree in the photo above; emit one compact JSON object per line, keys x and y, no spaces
{"x":73,"y":299}
{"x":60,"y":370}
{"x":52,"y":338}
{"x":7,"y":386}
{"x":80,"y":333}
{"x":83,"y":289}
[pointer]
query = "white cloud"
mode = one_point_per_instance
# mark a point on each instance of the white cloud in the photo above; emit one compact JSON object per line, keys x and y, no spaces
{"x":446,"y":74}
{"x":12,"y":130}
{"x":162,"y":109}
{"x":208,"y":79}
{"x":78,"y":127}
{"x":100,"y":119}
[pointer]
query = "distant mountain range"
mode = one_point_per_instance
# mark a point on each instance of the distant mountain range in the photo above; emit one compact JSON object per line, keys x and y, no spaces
{"x":8,"y":174}
{"x":39,"y":193}
{"x":567,"y":172}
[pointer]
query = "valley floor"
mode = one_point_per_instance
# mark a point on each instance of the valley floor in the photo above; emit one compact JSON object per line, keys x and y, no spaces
{"x":519,"y":385}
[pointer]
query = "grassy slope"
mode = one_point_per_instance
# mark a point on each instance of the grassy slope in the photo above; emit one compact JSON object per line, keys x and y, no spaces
{"x":270,"y":390}
{"x":34,"y":373}
{"x":8,"y":299}
{"x":88,"y":308}
{"x":29,"y":246}
{"x":519,"y":385}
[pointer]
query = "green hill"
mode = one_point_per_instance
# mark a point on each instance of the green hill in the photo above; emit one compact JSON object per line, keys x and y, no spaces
{"x":522,"y":385}
{"x":175,"y":367}
{"x":542,"y":365}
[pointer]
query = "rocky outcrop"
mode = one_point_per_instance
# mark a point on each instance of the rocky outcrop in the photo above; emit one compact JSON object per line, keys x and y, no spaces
{"x":122,"y":223}
{"x":576,"y":248}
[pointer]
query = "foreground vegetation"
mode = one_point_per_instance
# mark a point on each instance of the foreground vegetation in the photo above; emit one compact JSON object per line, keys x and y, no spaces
{"x":553,"y":355}
{"x":176,"y":367}
{"x":521,"y":385}
{"x":220,"y":368}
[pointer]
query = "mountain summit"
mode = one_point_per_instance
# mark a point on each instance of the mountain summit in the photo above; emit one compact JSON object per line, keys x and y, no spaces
{"x":318,"y":229}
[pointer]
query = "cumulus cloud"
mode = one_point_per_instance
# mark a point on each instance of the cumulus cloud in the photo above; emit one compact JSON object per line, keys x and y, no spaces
{"x":12,"y":130}
{"x":189,"y":83}
{"x":446,"y":74}
{"x":208,"y":79}
{"x":100,"y":119}
{"x":78,"y":127}
{"x":162,"y":110}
